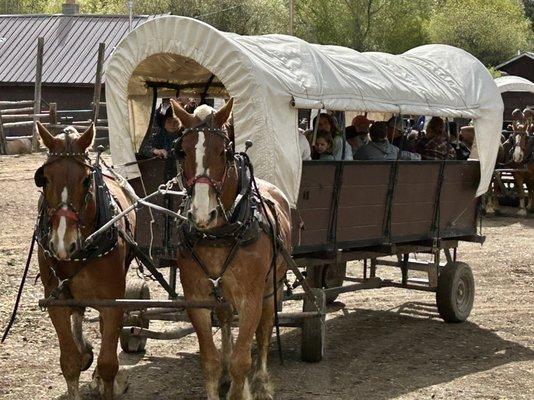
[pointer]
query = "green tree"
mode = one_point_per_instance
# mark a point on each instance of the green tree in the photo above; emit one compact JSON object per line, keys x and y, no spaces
{"x":401,"y":25}
{"x":384,"y":25}
{"x":491,"y":30}
{"x":529,"y":9}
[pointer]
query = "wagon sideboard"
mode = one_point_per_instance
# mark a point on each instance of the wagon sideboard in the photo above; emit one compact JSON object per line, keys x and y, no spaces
{"x":358,"y":204}
{"x":355,"y":204}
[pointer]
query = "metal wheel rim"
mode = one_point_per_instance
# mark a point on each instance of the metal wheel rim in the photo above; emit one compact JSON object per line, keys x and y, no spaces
{"x":463,"y":294}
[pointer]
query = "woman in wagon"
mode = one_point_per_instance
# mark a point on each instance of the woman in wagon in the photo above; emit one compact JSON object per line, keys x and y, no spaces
{"x":328,"y":124}
{"x":437,"y":145}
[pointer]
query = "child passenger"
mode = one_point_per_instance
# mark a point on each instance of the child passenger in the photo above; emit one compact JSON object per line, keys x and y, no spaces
{"x":322,"y":150}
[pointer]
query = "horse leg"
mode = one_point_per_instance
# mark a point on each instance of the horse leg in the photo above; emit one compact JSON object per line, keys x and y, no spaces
{"x":519,"y":181}
{"x":70,"y":357}
{"x":84,"y":347}
{"x":530,"y":188}
{"x":261,"y":385}
{"x":249,"y":310}
{"x":209,"y":355}
{"x":108,"y":363}
{"x":488,"y":199}
{"x":225,"y":317}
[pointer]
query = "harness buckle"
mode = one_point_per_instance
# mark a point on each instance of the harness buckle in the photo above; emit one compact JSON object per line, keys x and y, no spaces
{"x":217,"y":292}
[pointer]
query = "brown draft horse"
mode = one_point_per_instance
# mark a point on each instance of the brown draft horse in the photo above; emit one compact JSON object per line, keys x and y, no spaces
{"x":211,"y":177}
{"x":69,"y":205}
{"x":523,"y":158}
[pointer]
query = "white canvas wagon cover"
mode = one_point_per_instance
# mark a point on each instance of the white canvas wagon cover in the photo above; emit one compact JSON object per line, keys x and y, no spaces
{"x":512,"y":83}
{"x":271,"y":76}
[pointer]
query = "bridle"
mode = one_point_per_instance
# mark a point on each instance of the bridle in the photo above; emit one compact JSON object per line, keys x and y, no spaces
{"x":65,"y":208}
{"x":216,"y":184}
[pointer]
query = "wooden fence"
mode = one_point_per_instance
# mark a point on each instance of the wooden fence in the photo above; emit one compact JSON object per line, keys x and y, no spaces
{"x":25,"y":113}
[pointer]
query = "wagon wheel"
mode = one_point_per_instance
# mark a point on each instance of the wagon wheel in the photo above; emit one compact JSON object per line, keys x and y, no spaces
{"x":327,"y":276}
{"x":136,"y":289}
{"x":313,"y":329}
{"x":456,"y":292}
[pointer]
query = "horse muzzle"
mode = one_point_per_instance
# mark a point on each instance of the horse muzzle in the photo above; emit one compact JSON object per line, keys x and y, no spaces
{"x":202,"y":223}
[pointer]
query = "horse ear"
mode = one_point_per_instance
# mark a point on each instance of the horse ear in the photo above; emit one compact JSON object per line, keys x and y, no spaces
{"x":46,"y":137}
{"x":85,"y":141}
{"x":223,"y":114}
{"x":186,"y":119}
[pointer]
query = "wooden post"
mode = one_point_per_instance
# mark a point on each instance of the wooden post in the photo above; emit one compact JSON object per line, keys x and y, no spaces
{"x":98,"y":82}
{"x":3,"y":144}
{"x":291,"y":16}
{"x":52,"y":114}
{"x":37,"y":96}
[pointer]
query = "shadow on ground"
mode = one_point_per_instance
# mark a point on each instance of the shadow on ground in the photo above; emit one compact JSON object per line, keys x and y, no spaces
{"x":508,"y":216}
{"x":369,"y":355}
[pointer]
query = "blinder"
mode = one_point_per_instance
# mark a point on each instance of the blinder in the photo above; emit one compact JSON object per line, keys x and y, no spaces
{"x":39,"y":177}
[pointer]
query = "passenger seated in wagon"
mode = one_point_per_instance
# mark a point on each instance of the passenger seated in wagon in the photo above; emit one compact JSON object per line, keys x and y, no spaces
{"x":357,"y":134}
{"x":165,"y":130}
{"x":379,"y":147}
{"x":436,"y":145}
{"x":328,"y":124}
{"x":322,"y":149}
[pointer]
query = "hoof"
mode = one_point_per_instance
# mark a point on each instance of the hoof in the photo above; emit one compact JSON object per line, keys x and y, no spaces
{"x":120,"y":385}
{"x":522,"y":213}
{"x":87,"y":359}
{"x":224,"y":386}
{"x":262,"y":389}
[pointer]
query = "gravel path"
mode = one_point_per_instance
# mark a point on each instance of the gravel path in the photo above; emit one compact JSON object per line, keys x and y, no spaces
{"x":381,"y":344}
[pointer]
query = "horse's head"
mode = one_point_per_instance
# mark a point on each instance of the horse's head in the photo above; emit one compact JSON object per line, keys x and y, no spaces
{"x":206,"y":153}
{"x":520,"y":140}
{"x":66,"y":180}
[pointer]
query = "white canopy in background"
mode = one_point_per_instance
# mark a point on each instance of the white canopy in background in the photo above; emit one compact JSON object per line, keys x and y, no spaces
{"x":512,"y":83}
{"x":270,"y":76}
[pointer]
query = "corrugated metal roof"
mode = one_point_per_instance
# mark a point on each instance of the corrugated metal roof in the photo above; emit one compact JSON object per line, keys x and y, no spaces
{"x":70,"y":45}
{"x":511,"y":60}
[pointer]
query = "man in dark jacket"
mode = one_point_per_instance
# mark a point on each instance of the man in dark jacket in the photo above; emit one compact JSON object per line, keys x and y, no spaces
{"x":379,"y":147}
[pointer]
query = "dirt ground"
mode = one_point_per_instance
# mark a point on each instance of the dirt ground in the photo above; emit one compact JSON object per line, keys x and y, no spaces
{"x":381,"y":344}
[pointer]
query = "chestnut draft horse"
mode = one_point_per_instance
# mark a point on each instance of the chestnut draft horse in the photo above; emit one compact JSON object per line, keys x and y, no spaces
{"x":227,"y":252}
{"x":523,"y":158}
{"x":77,"y":199}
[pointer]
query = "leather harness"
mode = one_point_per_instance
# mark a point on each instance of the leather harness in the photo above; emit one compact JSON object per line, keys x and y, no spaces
{"x":244,"y":219}
{"x":106,"y":208}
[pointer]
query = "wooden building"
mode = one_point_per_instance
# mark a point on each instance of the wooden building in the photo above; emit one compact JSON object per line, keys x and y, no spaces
{"x":521,"y":65}
{"x":71,"y":43}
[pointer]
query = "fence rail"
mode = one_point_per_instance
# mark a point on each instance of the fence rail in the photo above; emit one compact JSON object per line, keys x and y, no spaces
{"x":16,"y":114}
{"x":17,"y":103}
